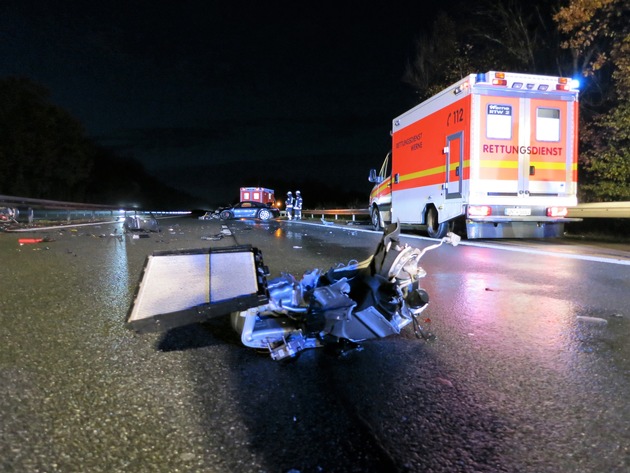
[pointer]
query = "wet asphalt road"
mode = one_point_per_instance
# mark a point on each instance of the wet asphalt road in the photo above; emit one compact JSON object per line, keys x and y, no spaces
{"x":530,"y":371}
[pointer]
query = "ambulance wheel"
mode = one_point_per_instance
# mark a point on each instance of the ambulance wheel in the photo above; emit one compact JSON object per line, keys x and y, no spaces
{"x":435,"y":229}
{"x":264,"y":214}
{"x":376,"y":219}
{"x":225,"y":215}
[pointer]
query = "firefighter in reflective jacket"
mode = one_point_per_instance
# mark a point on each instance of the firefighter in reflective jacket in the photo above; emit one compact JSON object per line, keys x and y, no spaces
{"x":289,"y":205}
{"x":297,"y":208}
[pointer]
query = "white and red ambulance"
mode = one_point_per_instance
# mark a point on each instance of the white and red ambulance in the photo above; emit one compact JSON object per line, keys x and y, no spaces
{"x":497,"y":151}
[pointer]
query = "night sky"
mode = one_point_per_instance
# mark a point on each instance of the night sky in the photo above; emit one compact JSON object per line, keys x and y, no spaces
{"x":211,"y":96}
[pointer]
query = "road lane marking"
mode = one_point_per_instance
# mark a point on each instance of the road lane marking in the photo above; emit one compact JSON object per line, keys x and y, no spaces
{"x":598,"y":259}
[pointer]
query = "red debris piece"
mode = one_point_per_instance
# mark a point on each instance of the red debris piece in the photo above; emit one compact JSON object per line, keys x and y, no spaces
{"x":30,"y":241}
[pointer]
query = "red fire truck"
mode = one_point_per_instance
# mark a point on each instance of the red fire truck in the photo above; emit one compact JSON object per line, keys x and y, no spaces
{"x":257,"y":194}
{"x":497,"y":151}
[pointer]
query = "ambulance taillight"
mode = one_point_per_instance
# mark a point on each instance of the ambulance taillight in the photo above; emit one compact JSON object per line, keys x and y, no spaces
{"x":557,"y":212}
{"x":479,"y":211}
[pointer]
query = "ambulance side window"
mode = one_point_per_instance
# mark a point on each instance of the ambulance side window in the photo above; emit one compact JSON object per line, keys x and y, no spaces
{"x":386,"y":169}
{"x":499,"y":121}
{"x":547,"y":124}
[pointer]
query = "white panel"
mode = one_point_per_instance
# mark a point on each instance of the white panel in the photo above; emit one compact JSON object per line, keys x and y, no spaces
{"x":232,"y":275}
{"x":172,"y":283}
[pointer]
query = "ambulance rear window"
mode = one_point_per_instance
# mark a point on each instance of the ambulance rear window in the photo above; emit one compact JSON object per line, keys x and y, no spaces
{"x":547,"y":124}
{"x":499,"y":121}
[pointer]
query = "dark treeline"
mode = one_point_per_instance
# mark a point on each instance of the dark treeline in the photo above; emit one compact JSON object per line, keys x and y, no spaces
{"x":45,"y":153}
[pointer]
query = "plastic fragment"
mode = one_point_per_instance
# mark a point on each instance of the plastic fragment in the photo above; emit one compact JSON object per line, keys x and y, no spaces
{"x":31,"y":241}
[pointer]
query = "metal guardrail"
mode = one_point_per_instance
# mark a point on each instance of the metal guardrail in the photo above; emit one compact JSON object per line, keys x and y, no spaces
{"x":32,"y":211}
{"x":353,"y":213}
{"x":13,"y":201}
{"x":601,"y":210}
{"x":587,"y":210}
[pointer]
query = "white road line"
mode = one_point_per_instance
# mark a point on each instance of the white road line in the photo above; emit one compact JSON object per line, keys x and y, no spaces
{"x":598,"y":259}
{"x":57,"y":227}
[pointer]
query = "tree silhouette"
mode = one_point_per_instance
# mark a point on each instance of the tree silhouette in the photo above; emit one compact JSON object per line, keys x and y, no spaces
{"x":45,"y":154}
{"x":598,"y":36}
{"x":43,"y":150}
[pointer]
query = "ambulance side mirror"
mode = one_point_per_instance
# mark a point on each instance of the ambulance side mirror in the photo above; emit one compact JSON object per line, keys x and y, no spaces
{"x":373,"y":177}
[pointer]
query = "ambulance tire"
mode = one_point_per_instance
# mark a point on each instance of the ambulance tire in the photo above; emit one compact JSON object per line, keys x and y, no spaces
{"x":376,"y":219}
{"x":435,"y":229}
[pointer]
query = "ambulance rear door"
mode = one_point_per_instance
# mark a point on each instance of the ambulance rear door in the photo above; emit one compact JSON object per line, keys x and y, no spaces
{"x":524,"y":149}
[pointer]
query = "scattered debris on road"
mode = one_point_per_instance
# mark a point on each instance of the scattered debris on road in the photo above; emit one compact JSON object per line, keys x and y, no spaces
{"x":31,"y":241}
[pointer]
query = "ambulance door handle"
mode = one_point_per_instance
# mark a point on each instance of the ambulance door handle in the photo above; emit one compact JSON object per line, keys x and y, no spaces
{"x":532,"y":170}
{"x":396,"y":178}
{"x":457,"y":171}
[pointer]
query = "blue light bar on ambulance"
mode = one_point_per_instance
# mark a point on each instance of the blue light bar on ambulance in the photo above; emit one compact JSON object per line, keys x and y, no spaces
{"x":540,"y":83}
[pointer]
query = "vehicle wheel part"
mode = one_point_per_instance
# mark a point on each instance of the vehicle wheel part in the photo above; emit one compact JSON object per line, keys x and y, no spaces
{"x":435,"y":229}
{"x":225,"y":215}
{"x":376,"y":219}
{"x":264,"y":214}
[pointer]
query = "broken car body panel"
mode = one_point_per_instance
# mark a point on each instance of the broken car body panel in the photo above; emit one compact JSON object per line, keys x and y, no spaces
{"x":141,"y":223}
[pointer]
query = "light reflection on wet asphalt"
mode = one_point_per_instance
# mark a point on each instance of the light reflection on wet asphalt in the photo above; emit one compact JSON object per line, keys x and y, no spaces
{"x":530,"y":370}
